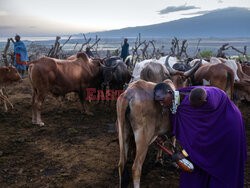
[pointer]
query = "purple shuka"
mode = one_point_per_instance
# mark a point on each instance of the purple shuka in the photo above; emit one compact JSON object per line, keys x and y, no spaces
{"x":214,"y":137}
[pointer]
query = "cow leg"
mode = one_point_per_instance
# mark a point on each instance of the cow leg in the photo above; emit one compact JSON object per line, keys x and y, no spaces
{"x":34,"y":96}
{"x":5,"y":99}
{"x":85,"y":107}
{"x":124,"y":142}
{"x":230,"y":90}
{"x":2,"y":99}
{"x":173,"y":140}
{"x":104,"y":91}
{"x":5,"y":104}
{"x":159,"y":159}
{"x":141,"y":152}
{"x":36,"y":107}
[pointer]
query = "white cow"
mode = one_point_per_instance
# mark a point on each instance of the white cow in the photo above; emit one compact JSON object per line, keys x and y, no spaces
{"x":215,"y":60}
{"x":140,"y":65}
{"x":203,"y":62}
{"x":171,"y":60}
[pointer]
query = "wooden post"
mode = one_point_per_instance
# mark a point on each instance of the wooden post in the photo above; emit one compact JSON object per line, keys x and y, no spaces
{"x":5,"y":59}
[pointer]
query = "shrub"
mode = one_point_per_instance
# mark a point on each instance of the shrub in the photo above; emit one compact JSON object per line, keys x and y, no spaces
{"x":206,"y":53}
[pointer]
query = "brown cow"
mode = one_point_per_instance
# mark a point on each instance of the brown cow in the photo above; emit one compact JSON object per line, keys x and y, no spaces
{"x":140,"y":124}
{"x":8,"y":75}
{"x":59,"y":77}
{"x":246,"y":68}
{"x":156,"y":72}
{"x":218,"y":75}
{"x":242,"y":87}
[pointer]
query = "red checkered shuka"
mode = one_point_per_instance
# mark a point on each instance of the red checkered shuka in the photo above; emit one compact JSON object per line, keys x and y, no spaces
{"x":18,"y":60}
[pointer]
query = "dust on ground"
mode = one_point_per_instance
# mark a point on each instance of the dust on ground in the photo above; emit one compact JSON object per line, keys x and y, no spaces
{"x":72,"y":150}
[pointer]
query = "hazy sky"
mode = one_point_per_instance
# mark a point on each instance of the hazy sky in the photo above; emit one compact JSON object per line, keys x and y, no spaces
{"x":51,"y":17}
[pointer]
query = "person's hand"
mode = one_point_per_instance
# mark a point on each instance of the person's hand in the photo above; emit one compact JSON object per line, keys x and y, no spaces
{"x":12,"y":40}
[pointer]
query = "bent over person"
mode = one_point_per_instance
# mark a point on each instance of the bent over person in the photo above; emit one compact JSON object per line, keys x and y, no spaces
{"x":21,"y":55}
{"x":210,"y":128}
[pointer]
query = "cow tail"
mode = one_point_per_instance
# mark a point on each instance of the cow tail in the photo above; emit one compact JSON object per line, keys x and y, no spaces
{"x":30,"y":69}
{"x":230,"y":82}
{"x":34,"y":91}
{"x":30,"y":72}
{"x":124,"y":132}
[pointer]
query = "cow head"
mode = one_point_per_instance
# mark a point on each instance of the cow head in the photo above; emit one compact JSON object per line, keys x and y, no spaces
{"x":10,"y":74}
{"x":179,"y":66}
{"x":108,"y":73}
{"x":242,"y":90}
{"x":181,"y":79}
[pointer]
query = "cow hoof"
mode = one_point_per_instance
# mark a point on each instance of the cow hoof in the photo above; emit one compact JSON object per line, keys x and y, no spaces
{"x":41,"y":124}
{"x":38,"y":123}
{"x":89,"y":113}
{"x":34,"y":122}
{"x":158,"y":163}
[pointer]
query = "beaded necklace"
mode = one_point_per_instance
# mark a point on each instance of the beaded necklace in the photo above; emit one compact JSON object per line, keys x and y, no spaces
{"x":176,"y":102}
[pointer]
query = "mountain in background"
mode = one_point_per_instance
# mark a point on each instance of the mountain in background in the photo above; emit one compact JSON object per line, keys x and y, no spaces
{"x":229,"y":22}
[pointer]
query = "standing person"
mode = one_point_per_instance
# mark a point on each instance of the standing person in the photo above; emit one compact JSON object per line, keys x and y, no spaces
{"x":210,"y":128}
{"x":21,"y":55}
{"x":125,"y":51}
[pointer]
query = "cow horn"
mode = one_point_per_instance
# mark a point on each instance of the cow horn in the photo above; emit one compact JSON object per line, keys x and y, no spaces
{"x":104,"y":59}
{"x":192,"y":70}
{"x":103,"y":66}
{"x":113,"y":67}
{"x":171,"y":70}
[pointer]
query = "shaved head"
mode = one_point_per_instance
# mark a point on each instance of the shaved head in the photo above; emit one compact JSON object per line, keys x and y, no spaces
{"x":164,"y":94}
{"x":198,"y":96}
{"x":17,"y":38}
{"x":163,"y":88}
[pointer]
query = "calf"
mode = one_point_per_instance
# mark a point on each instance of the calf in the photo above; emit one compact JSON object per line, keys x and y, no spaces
{"x":8,"y":75}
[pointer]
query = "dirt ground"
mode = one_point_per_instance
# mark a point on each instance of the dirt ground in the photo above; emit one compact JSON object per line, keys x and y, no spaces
{"x":72,"y":150}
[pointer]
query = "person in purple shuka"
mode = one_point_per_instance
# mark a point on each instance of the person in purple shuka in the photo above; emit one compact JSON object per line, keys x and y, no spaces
{"x":211,"y":129}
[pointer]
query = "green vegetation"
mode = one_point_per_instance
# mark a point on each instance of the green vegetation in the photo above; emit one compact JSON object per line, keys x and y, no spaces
{"x":206,"y":53}
{"x":242,"y":58}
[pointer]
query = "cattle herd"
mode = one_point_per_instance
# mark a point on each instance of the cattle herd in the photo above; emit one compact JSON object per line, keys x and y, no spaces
{"x":78,"y":73}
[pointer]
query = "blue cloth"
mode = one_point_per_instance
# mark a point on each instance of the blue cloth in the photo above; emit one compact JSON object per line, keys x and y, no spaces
{"x":125,"y":51}
{"x":20,"y":48}
{"x":214,"y":137}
